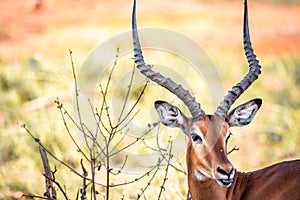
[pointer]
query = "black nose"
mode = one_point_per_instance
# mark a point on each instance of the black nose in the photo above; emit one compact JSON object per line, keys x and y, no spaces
{"x":225,"y":172}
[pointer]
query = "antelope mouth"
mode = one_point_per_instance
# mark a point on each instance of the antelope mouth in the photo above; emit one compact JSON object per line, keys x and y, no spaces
{"x":225,"y":182}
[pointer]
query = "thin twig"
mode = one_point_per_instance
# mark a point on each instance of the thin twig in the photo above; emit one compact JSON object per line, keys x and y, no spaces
{"x":59,"y":186}
{"x":135,"y":104}
{"x":63,"y":112}
{"x":149,"y":182}
{"x":37,"y":140}
{"x":84,"y":186}
{"x":104,"y":92}
{"x":233,"y":149}
{"x":132,"y":143}
{"x":121,"y":168}
{"x":162,"y":187}
{"x":93,"y":189}
{"x":127,"y":94}
{"x":76,"y":91}
{"x":163,"y":154}
{"x":31,"y":196}
{"x":140,"y":177}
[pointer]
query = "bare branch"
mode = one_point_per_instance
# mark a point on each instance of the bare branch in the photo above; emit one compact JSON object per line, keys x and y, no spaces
{"x":76,"y":90}
{"x":84,"y":186}
{"x":140,"y":177}
{"x":37,"y":140}
{"x":162,"y":187}
{"x":127,"y":94}
{"x":132,"y":143}
{"x":50,"y":190}
{"x":64,"y":112}
{"x":149,"y":182}
{"x":233,"y":149}
{"x":135,"y":104}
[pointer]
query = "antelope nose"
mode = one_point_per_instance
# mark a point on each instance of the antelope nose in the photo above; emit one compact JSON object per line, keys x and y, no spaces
{"x":226,"y":172}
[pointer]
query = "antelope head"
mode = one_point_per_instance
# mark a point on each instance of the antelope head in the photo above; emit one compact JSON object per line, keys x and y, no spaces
{"x":208,"y":134}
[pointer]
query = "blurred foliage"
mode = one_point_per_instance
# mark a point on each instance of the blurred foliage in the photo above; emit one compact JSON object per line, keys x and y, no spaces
{"x":273,"y":136}
{"x":278,"y":127}
{"x":21,"y":83}
{"x":279,"y":1}
{"x":281,"y":127}
{"x":268,"y":1}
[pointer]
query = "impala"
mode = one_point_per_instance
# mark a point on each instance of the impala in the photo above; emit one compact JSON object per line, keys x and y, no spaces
{"x":210,"y":174}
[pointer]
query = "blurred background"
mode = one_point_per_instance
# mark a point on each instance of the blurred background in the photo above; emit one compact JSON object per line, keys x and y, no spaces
{"x":35,"y":69}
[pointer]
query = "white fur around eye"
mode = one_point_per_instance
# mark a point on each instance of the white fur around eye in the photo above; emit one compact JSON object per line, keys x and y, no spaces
{"x":196,"y":131}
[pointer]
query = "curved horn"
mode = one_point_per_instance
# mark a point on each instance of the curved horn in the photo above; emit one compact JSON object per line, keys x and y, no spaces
{"x":190,"y":101}
{"x":252,"y":75}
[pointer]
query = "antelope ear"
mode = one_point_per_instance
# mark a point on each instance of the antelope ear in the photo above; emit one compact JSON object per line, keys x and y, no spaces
{"x":243,"y":114}
{"x":170,"y":115}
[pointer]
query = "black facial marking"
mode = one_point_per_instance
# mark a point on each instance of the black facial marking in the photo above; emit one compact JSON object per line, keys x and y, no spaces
{"x":196,"y":138}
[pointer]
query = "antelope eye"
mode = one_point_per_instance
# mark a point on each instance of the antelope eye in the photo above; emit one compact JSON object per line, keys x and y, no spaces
{"x":196,"y":138}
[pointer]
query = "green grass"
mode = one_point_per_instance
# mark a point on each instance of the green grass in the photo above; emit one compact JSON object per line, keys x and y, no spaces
{"x":276,"y":128}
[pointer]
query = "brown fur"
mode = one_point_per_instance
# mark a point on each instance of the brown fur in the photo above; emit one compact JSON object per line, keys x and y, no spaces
{"x":279,"y":181}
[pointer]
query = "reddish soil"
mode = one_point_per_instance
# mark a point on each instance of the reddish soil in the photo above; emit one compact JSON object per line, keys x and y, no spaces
{"x":56,"y":26}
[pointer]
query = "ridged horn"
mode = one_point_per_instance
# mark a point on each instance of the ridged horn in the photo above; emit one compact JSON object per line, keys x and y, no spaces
{"x":252,"y":75}
{"x":190,"y":101}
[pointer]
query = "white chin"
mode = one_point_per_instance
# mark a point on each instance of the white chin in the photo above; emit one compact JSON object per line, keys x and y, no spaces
{"x":224,"y":182}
